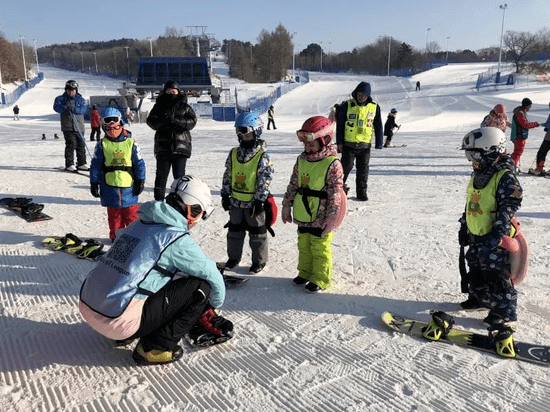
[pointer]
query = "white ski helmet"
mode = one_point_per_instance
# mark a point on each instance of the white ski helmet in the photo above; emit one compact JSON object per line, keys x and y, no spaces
{"x":484,"y":141}
{"x":192,"y":191}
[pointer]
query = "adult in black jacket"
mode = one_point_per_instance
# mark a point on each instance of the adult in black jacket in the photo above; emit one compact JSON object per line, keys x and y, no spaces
{"x":173,"y":119}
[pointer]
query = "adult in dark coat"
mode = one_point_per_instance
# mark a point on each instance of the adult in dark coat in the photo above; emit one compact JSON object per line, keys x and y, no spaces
{"x":358,"y":125}
{"x":173,"y":119}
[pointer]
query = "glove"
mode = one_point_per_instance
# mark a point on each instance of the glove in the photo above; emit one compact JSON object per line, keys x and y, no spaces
{"x":138,"y":187}
{"x":257,"y":208}
{"x":339,"y":148}
{"x":226,"y":202}
{"x":286,"y":215}
{"x":546,"y":129}
{"x":214,"y":323}
{"x":94,"y":189}
{"x":463,"y":238}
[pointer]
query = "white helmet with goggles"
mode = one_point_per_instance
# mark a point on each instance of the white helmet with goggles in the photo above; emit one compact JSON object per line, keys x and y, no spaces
{"x":483,"y":141}
{"x":191,"y":197}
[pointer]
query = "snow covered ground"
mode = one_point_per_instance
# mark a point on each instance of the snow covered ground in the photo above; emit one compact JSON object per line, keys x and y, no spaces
{"x":292,"y":351}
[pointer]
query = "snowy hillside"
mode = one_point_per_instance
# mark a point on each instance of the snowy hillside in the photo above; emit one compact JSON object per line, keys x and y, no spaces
{"x":292,"y":351}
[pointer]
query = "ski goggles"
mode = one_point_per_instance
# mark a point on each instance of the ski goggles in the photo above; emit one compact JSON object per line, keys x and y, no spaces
{"x":194,"y":213}
{"x":242,"y":130}
{"x":308,"y":137}
{"x":474,"y":155}
{"x":71,"y":85}
{"x":111,"y":119}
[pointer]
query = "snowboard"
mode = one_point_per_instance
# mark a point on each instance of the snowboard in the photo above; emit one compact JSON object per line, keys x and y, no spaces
{"x":544,"y":175}
{"x":395,"y":146}
{"x":230,"y":280}
{"x":14,"y":204}
{"x":88,"y":249}
{"x":76,"y":172}
{"x":524,"y":351}
{"x":206,"y":340}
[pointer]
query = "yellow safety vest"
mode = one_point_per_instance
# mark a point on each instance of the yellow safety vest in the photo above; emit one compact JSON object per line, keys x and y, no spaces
{"x":359,"y":122}
{"x":244,"y":176}
{"x":481,"y":205}
{"x":118,"y":162}
{"x":312,"y":178}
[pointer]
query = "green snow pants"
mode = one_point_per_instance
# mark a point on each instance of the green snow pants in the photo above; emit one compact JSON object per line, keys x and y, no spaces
{"x":315,"y":258}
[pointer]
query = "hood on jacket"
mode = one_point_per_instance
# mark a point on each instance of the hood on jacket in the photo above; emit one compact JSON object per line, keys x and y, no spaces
{"x":164,"y":98}
{"x":160,"y":212}
{"x":362,"y":87}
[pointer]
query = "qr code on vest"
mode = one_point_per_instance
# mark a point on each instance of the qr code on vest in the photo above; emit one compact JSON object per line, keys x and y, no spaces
{"x":122,"y":248}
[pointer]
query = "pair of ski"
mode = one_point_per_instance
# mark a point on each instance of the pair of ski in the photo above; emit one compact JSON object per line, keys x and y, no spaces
{"x":521,"y":351}
{"x":230,"y":281}
{"x":25,"y":208}
{"x":89,"y":249}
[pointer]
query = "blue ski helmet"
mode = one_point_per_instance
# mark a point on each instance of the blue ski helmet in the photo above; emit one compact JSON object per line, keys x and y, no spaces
{"x":110,"y":114}
{"x":247,"y":122}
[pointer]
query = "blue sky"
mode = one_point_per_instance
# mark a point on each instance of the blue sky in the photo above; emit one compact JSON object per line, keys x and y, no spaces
{"x":339,"y":25}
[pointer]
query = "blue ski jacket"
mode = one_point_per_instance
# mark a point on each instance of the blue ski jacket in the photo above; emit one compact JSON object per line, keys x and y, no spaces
{"x":65,"y":105}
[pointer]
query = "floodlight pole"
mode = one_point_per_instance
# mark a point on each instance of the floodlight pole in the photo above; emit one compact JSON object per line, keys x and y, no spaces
{"x":293,"y":56}
{"x":23,"y":54}
{"x":503,"y":7}
{"x":36,"y":56}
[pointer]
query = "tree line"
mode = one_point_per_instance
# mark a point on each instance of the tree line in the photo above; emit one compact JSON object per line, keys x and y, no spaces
{"x":272,"y":57}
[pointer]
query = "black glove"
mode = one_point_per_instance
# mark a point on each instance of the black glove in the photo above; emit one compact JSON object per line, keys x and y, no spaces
{"x":257,"y":208}
{"x":94,"y":189}
{"x":546,"y":129}
{"x":138,"y":187}
{"x":214,"y":323}
{"x":463,"y":237}
{"x":226,"y":202}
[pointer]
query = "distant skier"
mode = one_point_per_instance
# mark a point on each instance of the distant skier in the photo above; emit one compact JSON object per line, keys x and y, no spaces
{"x":16,"y":112}
{"x":389,"y":126}
{"x":270,"y":119}
{"x":95,"y":123}
{"x":71,"y":106}
{"x":117,"y":174}
{"x":417,"y":85}
{"x":494,"y":195}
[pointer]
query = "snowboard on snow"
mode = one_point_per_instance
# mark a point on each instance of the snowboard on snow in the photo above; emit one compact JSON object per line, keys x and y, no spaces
{"x":230,"y":280}
{"x":88,"y":249}
{"x":524,"y":351}
{"x":395,"y":146}
{"x":544,"y":175}
{"x":25,"y":208}
{"x":76,"y":172}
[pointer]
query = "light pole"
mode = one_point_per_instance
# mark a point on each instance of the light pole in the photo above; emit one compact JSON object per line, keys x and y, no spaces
{"x":127,"y":61}
{"x":95,"y":60}
{"x":151,"y":44}
{"x":82,"y":61}
{"x":53,"y":55}
{"x":447,"y":53}
{"x":23,"y":54}
{"x":427,"y":35}
{"x":389,"y":54}
{"x":321,"y":45}
{"x":503,"y":7}
{"x":36,"y":56}
{"x":293,"y":55}
{"x":116,"y":72}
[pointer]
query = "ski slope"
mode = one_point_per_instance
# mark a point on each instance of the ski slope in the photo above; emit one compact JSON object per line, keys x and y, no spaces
{"x":292,"y":351}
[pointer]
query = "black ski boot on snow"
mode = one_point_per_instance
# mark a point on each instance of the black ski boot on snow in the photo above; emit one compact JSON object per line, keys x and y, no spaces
{"x":439,"y":326}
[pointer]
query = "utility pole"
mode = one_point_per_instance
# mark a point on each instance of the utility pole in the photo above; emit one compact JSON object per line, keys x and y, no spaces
{"x":293,"y":56}
{"x":36,"y":55}
{"x":447,"y":53}
{"x":503,"y":8}
{"x":127,"y":60}
{"x":116,"y":72}
{"x":23,"y":54}
{"x":95,"y":60}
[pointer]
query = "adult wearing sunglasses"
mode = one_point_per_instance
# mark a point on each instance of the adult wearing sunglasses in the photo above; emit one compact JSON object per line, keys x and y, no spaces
{"x":172,"y":119}
{"x":71,"y":106}
{"x":156,"y":284}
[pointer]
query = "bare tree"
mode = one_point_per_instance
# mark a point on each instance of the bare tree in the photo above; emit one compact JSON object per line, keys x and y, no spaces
{"x":519,"y":45}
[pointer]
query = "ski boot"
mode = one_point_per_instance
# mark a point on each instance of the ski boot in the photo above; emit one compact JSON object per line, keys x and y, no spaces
{"x":502,"y":337}
{"x":439,"y":326}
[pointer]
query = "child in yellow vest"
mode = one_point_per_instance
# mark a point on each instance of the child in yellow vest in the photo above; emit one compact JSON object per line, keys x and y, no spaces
{"x":117,"y":172}
{"x":245,"y":191}
{"x":315,"y":195}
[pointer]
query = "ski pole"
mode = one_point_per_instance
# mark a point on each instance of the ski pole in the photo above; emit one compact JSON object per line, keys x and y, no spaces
{"x":77,"y":127}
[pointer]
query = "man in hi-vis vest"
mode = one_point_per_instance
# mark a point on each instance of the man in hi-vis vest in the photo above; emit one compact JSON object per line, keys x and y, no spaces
{"x":358,"y":122}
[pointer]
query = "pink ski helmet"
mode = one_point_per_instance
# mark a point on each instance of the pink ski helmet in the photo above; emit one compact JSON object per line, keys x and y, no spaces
{"x":500,"y":109}
{"x":316,"y":127}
